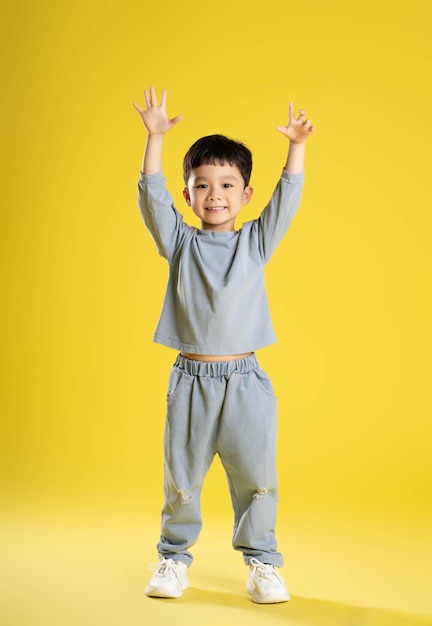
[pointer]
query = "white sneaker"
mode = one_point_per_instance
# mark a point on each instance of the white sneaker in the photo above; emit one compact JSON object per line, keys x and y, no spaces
{"x":265,"y":585}
{"x":169,"y":579}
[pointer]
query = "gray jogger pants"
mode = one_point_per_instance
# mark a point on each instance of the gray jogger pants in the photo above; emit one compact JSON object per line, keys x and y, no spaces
{"x":226,"y":408}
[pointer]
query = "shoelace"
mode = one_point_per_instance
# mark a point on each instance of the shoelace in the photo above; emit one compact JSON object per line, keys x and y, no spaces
{"x":265,"y":570}
{"x":165,"y":567}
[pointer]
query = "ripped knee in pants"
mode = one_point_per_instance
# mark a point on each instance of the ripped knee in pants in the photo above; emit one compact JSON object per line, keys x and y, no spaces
{"x":185,"y":497}
{"x":259,"y":493}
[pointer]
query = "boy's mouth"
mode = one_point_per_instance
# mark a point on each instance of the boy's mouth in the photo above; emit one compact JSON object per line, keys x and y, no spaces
{"x":215,"y":208}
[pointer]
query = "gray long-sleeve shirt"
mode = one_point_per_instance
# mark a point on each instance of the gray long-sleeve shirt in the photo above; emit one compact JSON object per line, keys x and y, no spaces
{"x":215,"y":302}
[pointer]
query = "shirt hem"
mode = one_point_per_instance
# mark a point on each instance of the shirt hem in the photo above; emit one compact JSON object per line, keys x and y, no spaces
{"x":211,"y":350}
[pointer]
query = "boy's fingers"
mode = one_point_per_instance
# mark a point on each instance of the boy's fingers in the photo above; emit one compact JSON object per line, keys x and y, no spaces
{"x":153,"y":99}
{"x":309,"y":126}
{"x":140,"y":111}
{"x":163,"y":98}
{"x":302,"y":115}
{"x":290,"y":112}
{"x":147,"y":99}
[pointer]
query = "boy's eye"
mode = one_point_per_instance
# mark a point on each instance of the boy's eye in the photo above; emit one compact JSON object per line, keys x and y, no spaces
{"x":202,"y":186}
{"x":227,"y":185}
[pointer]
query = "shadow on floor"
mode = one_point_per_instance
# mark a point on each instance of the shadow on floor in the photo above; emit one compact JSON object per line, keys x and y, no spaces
{"x":300,"y":611}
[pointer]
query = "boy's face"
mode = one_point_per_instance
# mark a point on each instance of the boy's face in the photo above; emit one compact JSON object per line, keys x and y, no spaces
{"x":216,"y":194}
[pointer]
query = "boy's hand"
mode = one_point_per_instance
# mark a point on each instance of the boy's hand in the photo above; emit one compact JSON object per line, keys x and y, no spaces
{"x":154,"y":116}
{"x":297,"y":130}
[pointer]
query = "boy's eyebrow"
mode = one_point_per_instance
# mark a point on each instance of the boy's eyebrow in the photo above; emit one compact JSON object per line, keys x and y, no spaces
{"x":227,"y":176}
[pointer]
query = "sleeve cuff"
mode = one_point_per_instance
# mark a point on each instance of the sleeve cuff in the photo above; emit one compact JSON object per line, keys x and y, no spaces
{"x":292,"y":178}
{"x":147,"y":179}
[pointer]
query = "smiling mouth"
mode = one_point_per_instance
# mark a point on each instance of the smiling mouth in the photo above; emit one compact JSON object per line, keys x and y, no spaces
{"x":215,"y":208}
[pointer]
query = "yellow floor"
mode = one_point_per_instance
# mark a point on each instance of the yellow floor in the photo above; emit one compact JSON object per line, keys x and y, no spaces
{"x":82,"y":570}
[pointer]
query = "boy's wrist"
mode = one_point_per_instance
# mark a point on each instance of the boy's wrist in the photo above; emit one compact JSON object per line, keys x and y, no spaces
{"x":152,"y":161}
{"x":295,"y":145}
{"x":295,"y":159}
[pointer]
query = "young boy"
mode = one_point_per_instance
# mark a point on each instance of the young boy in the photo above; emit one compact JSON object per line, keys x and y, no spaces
{"x":216,"y":315}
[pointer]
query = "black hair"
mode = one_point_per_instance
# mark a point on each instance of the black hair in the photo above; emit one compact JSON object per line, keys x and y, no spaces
{"x":215,"y":149}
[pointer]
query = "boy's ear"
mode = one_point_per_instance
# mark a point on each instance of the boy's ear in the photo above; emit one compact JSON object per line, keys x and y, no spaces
{"x":247,"y":195}
{"x":186,"y":196}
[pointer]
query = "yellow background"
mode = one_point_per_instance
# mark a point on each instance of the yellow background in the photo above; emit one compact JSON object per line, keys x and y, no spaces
{"x":83,"y":386}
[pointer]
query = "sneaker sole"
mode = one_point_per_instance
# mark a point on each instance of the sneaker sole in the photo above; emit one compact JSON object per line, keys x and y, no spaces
{"x":270,"y":599}
{"x":162,"y":593}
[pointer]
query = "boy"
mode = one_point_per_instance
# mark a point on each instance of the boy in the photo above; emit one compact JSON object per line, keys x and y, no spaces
{"x":216,"y":314}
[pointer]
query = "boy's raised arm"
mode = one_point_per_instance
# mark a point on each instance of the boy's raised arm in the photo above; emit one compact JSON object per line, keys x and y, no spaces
{"x":297,"y":131}
{"x":157,"y":123}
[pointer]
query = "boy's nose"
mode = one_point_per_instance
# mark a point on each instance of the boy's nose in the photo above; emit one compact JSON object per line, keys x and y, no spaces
{"x":215,"y":194}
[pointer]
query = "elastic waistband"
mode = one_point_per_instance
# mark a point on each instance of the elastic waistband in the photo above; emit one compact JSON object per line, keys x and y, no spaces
{"x":215,"y":369}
